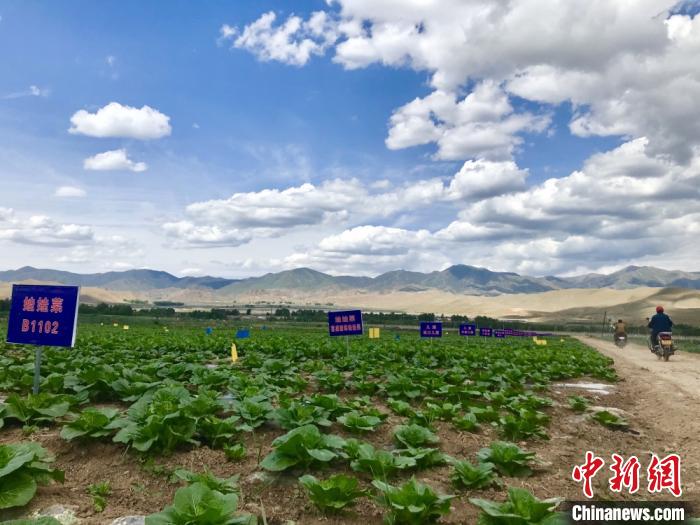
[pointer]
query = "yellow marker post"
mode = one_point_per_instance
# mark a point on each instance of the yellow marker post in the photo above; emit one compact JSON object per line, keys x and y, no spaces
{"x":234,"y":353}
{"x":126,"y":327}
{"x":374,"y":333}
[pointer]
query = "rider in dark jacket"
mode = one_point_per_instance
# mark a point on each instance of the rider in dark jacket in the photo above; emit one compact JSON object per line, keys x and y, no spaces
{"x":659,"y":323}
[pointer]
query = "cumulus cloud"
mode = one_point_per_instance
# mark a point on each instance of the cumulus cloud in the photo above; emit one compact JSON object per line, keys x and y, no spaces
{"x":292,"y":42}
{"x":274,"y":212}
{"x":622,"y":206}
{"x":116,"y":120}
{"x":482,"y":124}
{"x":627,"y":68}
{"x":70,"y":192}
{"x":117,"y":159}
{"x":42,"y":230}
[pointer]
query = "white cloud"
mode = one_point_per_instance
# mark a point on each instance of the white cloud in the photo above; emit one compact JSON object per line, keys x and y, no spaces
{"x":31,"y":91}
{"x":116,"y":120}
{"x":375,"y":240}
{"x":191,"y":272}
{"x":627,"y":68}
{"x":42,"y":230}
{"x":482,"y":124}
{"x":621,"y":207}
{"x":70,"y":192}
{"x":113,"y":160}
{"x":293,"y":42}
{"x":274,"y":212}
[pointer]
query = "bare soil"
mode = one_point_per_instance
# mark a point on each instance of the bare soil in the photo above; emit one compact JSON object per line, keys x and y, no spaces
{"x":660,"y":400}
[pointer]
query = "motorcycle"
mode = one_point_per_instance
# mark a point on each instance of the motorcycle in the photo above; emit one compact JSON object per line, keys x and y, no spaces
{"x":620,"y":340}
{"x":663,"y":348}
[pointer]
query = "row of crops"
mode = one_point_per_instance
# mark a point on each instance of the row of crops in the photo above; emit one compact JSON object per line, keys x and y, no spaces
{"x":155,"y":392}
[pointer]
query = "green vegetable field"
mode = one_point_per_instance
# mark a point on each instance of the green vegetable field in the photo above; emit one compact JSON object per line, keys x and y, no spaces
{"x":299,"y":430}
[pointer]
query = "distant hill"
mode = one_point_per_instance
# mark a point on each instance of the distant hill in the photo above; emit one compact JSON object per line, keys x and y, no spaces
{"x":129,"y":280}
{"x":458,"y":279}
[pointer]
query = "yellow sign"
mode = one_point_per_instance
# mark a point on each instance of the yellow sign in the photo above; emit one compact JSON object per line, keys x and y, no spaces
{"x":126,"y":327}
{"x":374,"y":333}
{"x":234,"y":353}
{"x":115,"y":325}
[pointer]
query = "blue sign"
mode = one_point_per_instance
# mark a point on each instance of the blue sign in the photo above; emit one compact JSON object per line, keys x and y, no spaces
{"x":209,"y":330}
{"x":345,"y":323}
{"x":467,"y":329}
{"x":485,"y":332}
{"x":430,"y":329}
{"x":43,"y":315}
{"x":499,"y":333}
{"x":242,"y":334}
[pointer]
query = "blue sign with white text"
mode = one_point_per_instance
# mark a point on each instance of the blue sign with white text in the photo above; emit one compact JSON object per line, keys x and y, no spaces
{"x":467,"y":329}
{"x":485,"y":332}
{"x":499,"y":333}
{"x":242,"y":334}
{"x":347,"y":322}
{"x":430,"y":329}
{"x":43,"y":315}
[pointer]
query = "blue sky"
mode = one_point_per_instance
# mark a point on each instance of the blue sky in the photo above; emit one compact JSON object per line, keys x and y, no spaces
{"x":250,"y":114}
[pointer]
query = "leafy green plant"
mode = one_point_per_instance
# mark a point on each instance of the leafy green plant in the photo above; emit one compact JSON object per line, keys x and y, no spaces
{"x":413,"y":503}
{"x":526,"y":424}
{"x":22,"y":467}
{"x":578,"y":403}
{"x":332,"y":494}
{"x":485,"y":414}
{"x":298,"y":414}
{"x":217,"y":431}
{"x":604,"y":417}
{"x":358,"y":422}
{"x":197,"y":504}
{"x":302,"y":447}
{"x":223,"y":485}
{"x":100,"y":492}
{"x":91,"y":423}
{"x":521,"y":508}
{"x":443,"y":411}
{"x":508,"y":458}
{"x":469,"y":476}
{"x":400,"y":407}
{"x":330,"y":381}
{"x":466,"y":422}
{"x":413,"y":436}
{"x":254,"y":411}
{"x":38,"y":408}
{"x":424,"y":457}
{"x":158,"y":421}
{"x":330,"y":403}
{"x":380,"y":463}
{"x":235,"y":452}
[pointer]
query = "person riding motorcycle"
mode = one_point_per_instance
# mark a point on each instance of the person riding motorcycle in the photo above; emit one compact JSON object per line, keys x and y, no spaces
{"x":660,"y":322}
{"x":620,"y":330}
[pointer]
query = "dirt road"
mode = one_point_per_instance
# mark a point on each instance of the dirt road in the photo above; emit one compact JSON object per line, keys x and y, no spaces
{"x":667,"y":398}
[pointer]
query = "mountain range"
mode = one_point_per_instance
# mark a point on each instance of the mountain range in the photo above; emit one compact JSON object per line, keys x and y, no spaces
{"x":458,"y":279}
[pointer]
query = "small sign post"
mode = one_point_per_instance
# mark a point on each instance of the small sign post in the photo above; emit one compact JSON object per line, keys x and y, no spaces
{"x":486,"y":332}
{"x":345,"y":322}
{"x":431,"y":329}
{"x":467,"y":329}
{"x":43,"y":316}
